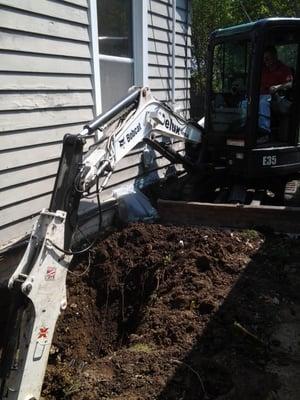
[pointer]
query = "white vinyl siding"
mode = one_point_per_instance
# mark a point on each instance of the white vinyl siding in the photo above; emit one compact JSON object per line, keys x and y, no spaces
{"x":160,"y":52}
{"x":46,"y":91}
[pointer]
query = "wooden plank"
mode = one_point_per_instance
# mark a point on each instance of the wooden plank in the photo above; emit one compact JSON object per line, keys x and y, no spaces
{"x":279,"y":219}
{"x":33,"y":101}
{"x":33,"y":137}
{"x":48,"y":8}
{"x":23,"y":210}
{"x":19,"y":62}
{"x":26,"y":191}
{"x":27,"y":173}
{"x":19,"y":21}
{"x":166,"y":48}
{"x":22,"y":81}
{"x":38,"y":119}
{"x":43,"y":45}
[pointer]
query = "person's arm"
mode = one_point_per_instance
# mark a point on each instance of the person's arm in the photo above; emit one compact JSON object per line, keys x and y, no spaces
{"x":283,"y":86}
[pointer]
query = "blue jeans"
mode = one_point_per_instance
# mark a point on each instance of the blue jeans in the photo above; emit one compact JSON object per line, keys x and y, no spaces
{"x":264,"y":113}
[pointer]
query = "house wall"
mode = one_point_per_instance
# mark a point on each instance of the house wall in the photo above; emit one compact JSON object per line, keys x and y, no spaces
{"x":160,"y":52}
{"x":46,"y":90}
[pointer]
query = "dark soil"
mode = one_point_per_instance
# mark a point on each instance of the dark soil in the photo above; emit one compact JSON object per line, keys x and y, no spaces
{"x":159,"y":312}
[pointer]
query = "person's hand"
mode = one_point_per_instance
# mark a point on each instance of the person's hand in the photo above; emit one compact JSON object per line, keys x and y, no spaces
{"x":274,"y":89}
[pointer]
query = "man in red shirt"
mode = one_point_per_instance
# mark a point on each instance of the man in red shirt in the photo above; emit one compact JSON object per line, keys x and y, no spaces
{"x":275,"y":76}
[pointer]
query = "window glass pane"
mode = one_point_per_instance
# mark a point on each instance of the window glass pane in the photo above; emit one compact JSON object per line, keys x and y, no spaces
{"x":116,"y":78}
{"x":231,"y":63}
{"x":115,"y":27}
{"x":288,"y":55}
{"x":230,"y":66}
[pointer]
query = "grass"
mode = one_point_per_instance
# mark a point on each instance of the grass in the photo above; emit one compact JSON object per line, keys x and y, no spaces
{"x":251,"y":234}
{"x":167,"y":259}
{"x":141,"y":348}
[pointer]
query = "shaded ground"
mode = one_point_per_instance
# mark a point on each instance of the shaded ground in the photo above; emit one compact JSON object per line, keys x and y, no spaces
{"x":160,"y":312}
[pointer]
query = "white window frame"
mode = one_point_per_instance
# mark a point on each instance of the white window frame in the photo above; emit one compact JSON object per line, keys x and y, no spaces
{"x":140,"y":48}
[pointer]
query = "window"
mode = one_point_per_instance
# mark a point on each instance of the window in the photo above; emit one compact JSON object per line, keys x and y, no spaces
{"x":115,"y":27}
{"x":230,"y":85}
{"x":115,"y":35}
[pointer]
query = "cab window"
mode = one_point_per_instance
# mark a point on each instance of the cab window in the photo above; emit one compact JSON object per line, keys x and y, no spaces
{"x":230,"y":76}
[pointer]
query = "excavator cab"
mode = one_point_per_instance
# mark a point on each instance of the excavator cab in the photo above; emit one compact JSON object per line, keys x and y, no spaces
{"x":249,"y":131}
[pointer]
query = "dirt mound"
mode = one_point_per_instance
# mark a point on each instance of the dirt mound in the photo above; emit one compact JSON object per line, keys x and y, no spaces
{"x":159,"y":312}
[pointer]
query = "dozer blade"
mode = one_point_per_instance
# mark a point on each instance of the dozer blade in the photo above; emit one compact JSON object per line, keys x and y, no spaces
{"x":276,"y":218}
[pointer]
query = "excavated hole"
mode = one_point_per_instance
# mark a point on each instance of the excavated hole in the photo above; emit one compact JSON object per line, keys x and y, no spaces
{"x":121,"y":301}
{"x":109,"y":307}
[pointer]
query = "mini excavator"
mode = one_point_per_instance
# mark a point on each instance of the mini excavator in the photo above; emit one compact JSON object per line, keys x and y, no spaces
{"x":234,"y":140}
{"x":227,"y":158}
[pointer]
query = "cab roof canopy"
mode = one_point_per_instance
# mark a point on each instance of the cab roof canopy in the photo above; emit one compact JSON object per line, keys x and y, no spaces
{"x":256,"y":26}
